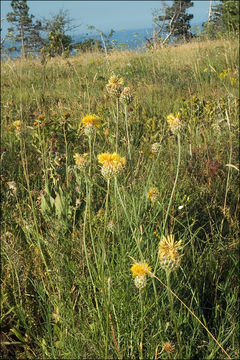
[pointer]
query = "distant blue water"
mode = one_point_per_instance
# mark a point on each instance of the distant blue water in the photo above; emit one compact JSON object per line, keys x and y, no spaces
{"x":128,"y":39}
{"x":121,"y":39}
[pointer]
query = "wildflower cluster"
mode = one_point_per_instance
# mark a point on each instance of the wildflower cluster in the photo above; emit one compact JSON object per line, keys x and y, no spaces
{"x":226,"y":73}
{"x":139,"y":271}
{"x":112,"y":164}
{"x":91,"y":122}
{"x":115,"y":88}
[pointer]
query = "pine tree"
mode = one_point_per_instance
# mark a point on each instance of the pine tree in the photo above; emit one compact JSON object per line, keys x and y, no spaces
{"x":179,"y":19}
{"x":225,"y":15}
{"x":173,"y":21}
{"x":24,"y":30}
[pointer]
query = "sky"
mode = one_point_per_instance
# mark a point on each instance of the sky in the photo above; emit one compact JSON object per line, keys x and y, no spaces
{"x":104,"y":15}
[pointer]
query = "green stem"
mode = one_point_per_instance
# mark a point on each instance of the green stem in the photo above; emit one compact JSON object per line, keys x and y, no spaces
{"x":106,"y":207}
{"x":228,"y":174}
{"x":175,"y":183}
{"x":117,"y":116}
{"x":170,"y":297}
{"x":191,"y":312}
{"x":129,"y":221}
{"x":141,"y":339}
{"x":26,"y":175}
{"x":126,"y":123}
{"x":86,"y":255}
{"x":66,"y":151}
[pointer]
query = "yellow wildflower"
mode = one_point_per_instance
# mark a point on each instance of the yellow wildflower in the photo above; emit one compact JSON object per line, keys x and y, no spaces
{"x":91,"y":122}
{"x":153,"y":194}
{"x":174,"y":122}
{"x":18,"y":125}
{"x":114,"y":85}
{"x":112,"y":164}
{"x":168,"y":252}
{"x":140,"y":269}
{"x":233,"y":80}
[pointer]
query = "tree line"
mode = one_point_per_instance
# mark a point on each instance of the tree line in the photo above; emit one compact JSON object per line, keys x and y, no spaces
{"x":52,"y":37}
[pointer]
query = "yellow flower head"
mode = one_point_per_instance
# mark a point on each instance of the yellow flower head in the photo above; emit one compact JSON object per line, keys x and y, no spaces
{"x":153,"y":194}
{"x":114,"y":85}
{"x":114,"y":159}
{"x":112,"y":164}
{"x":91,"y":121}
{"x":17,"y":124}
{"x":174,"y":122}
{"x":168,"y":252}
{"x":140,"y":269}
{"x":233,"y":80}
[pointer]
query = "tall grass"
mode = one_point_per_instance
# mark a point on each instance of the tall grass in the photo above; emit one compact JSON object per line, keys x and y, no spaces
{"x":69,"y":236}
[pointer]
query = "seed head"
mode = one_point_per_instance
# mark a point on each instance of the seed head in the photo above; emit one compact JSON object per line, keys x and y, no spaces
{"x":168,"y":252}
{"x":126,"y":96}
{"x":168,"y":347}
{"x":155,"y":148}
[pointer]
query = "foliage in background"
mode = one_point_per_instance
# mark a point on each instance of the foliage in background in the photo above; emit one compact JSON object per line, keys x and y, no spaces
{"x":224,"y":19}
{"x":24,"y":30}
{"x":58,"y":41}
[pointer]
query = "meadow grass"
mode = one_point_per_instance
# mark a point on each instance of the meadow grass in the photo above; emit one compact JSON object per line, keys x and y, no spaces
{"x":70,"y":236}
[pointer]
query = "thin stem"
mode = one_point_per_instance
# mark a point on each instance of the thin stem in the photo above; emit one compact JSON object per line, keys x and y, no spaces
{"x":66,"y":151}
{"x":126,"y":123}
{"x":86,"y":254}
{"x":117,"y":117}
{"x":106,"y":207}
{"x":228,"y":174}
{"x":90,"y":156}
{"x":26,"y":175}
{"x":170,"y":297}
{"x":129,"y":221}
{"x":141,"y":341}
{"x":175,"y":183}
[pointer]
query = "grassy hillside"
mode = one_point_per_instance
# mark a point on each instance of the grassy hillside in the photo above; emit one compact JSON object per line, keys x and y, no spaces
{"x":88,"y":267}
